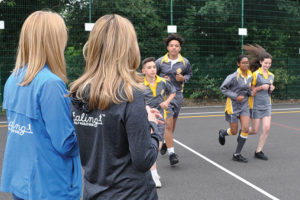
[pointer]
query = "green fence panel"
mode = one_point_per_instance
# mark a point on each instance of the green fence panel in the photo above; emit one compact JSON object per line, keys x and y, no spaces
{"x":209,"y":27}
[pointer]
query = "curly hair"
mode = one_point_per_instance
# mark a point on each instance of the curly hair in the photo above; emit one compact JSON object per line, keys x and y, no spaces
{"x":174,"y":36}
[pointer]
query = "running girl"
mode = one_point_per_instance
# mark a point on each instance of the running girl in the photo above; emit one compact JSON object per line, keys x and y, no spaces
{"x":261,"y":104}
{"x":237,"y":88}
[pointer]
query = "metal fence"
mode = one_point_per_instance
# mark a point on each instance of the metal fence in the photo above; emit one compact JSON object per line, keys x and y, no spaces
{"x":210,"y":29}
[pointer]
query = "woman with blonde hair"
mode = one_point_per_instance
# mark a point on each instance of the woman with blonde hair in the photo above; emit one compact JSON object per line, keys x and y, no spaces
{"x":112,"y":123}
{"x":41,"y":159}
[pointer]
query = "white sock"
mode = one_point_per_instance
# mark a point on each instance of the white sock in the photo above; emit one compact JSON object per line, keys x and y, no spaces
{"x":154,"y":173}
{"x":171,"y":150}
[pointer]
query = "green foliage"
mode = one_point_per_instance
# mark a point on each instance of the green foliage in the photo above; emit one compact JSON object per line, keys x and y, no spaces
{"x":205,"y":87}
{"x":75,"y":63}
{"x":280,"y":82}
{"x":218,"y":7}
{"x":208,"y":27}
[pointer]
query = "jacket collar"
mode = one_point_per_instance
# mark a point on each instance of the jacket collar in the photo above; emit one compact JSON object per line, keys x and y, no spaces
{"x":157,"y":80}
{"x":166,"y":59}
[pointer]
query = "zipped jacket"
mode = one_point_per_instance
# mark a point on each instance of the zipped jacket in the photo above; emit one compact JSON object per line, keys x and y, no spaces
{"x":183,"y":67}
{"x":155,"y":95}
{"x":236,"y":85}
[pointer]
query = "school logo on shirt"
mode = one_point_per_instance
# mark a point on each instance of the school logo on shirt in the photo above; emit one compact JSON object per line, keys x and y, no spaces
{"x":271,"y":81}
{"x":19,"y":129}
{"x":162,"y":92}
{"x":179,"y":70}
{"x":86,"y":120}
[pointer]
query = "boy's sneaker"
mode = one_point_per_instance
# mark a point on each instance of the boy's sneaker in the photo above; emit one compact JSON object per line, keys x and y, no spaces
{"x":222,"y":136}
{"x":156,"y":180}
{"x":163,"y":150}
{"x":173,"y":159}
{"x":260,"y":155}
{"x":239,"y":158}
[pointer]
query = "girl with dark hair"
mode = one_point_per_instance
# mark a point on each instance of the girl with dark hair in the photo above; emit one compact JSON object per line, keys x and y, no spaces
{"x":262,"y":86}
{"x":237,"y":88}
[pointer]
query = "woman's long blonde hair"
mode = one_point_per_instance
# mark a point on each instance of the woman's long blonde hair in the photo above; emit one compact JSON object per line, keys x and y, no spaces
{"x":43,"y":39}
{"x":112,"y":57}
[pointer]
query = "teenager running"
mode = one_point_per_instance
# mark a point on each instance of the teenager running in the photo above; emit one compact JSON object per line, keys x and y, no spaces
{"x":156,"y":90}
{"x":177,"y":69}
{"x":261,"y":104}
{"x":237,"y":88}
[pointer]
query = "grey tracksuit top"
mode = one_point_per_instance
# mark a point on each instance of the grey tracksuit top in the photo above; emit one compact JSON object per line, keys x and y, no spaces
{"x":154,"y":96}
{"x":262,"y":99}
{"x":235,"y":85}
{"x":116,"y":150}
{"x":182,"y":66}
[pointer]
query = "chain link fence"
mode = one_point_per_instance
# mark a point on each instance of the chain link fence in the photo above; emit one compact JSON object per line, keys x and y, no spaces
{"x":210,"y":30}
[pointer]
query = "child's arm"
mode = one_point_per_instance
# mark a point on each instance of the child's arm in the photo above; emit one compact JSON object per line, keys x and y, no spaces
{"x":171,"y":91}
{"x":165,"y":104}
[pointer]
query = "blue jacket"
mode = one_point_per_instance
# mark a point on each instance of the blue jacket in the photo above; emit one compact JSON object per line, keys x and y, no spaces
{"x":41,"y":159}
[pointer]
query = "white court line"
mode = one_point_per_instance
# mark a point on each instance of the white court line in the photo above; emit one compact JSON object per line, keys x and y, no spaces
{"x":228,"y":172}
{"x":3,"y":122}
{"x":202,"y":113}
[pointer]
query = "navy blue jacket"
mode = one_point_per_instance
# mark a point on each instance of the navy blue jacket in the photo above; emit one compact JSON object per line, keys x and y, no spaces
{"x":116,"y":150}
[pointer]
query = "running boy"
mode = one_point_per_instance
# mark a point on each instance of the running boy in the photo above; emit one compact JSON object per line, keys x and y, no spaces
{"x":177,"y":69}
{"x":156,"y":90}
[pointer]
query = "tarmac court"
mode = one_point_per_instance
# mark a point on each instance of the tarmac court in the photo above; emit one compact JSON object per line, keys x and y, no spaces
{"x":206,"y":170}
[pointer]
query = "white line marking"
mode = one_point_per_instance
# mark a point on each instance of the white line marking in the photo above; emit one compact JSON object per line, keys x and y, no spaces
{"x":3,"y":122}
{"x":228,"y":172}
{"x":203,"y":113}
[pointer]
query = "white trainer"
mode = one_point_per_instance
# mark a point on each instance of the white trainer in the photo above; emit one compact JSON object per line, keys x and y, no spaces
{"x":156,"y":180}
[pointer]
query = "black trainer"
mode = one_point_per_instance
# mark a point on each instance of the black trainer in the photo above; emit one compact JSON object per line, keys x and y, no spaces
{"x":222,"y":136}
{"x":163,"y":149}
{"x":239,"y":158}
{"x":237,"y":139}
{"x":260,"y":155}
{"x":173,"y":159}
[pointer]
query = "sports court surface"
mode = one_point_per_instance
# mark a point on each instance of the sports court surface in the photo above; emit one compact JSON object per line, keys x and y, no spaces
{"x":206,"y":171}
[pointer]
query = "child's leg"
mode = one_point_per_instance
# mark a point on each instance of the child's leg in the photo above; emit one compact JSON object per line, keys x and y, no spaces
{"x":230,"y":131}
{"x":245,"y":120}
{"x":168,"y":133}
{"x":255,"y":127}
{"x":155,"y":175}
{"x":266,"y":124}
{"x":233,"y":128}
